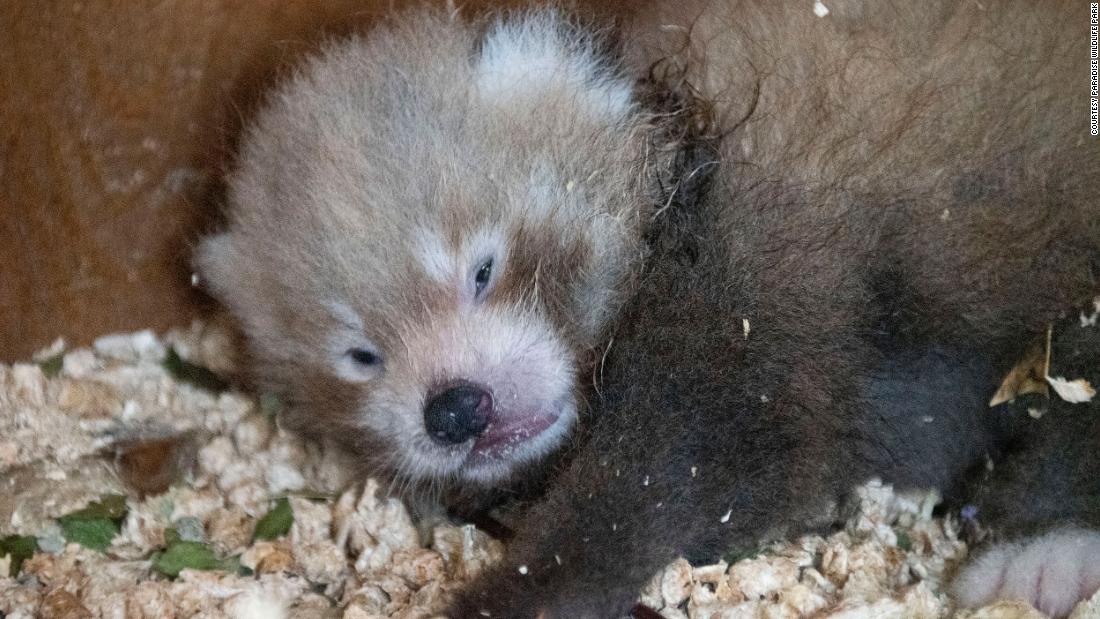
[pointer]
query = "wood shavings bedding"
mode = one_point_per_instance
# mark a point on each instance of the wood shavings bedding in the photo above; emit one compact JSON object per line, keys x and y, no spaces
{"x":85,"y":424}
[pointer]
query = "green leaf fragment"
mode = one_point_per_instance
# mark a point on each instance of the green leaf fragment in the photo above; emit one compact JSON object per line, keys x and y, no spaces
{"x":19,"y":548}
{"x":233,"y":566}
{"x":110,"y":507}
{"x":97,"y":524}
{"x":904,"y":542}
{"x":94,"y":533}
{"x":171,"y":537}
{"x":51,"y":366}
{"x":315,"y":496}
{"x":192,"y":374}
{"x":276,"y":523}
{"x":738,"y":554}
{"x":184,"y":555}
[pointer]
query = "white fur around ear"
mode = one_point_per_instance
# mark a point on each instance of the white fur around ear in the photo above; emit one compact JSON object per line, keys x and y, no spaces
{"x":234,"y":279}
{"x":539,"y":55}
{"x":216,"y":263}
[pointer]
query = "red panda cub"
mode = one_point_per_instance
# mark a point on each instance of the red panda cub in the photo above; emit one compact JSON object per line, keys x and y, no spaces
{"x":437,"y":231}
{"x":430,"y":228}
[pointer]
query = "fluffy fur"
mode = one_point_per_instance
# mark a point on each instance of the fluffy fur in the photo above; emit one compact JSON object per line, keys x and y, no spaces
{"x":373,"y":188}
{"x":899,"y":205}
{"x":901,"y":194}
{"x":1052,"y":572}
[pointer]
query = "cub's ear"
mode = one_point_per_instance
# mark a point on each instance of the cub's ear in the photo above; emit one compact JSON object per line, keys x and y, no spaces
{"x":217,"y":263}
{"x":539,"y":58}
{"x":231,"y":270}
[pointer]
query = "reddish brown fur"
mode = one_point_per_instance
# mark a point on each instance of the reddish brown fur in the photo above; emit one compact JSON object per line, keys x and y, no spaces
{"x":899,"y":198}
{"x":376,"y":182}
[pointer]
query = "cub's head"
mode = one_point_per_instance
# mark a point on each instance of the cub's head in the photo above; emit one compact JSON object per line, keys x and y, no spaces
{"x":429,"y":229}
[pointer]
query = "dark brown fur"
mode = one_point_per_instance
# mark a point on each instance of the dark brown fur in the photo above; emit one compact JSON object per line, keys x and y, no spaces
{"x":907,"y":194}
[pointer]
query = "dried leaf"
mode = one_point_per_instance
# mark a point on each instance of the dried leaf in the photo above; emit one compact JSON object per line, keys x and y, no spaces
{"x":63,"y":604}
{"x":1024,"y":378}
{"x":1027,"y":376}
{"x":276,"y":523}
{"x":150,"y":466}
{"x":1073,"y":391}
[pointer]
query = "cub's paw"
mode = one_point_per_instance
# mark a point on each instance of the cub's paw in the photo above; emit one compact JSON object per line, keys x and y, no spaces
{"x":1052,"y":572}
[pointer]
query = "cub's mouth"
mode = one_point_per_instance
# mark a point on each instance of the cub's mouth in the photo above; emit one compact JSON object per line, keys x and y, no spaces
{"x":502,"y":437}
{"x":512,"y":440}
{"x":488,"y":430}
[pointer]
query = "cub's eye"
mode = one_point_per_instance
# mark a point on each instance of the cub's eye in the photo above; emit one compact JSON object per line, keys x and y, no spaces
{"x":362,"y":356}
{"x":358,"y":364}
{"x":482,"y":277}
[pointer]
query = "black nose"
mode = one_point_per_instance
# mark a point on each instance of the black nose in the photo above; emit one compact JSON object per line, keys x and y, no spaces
{"x":458,"y":413}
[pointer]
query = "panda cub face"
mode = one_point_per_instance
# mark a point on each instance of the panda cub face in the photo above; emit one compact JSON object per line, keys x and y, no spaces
{"x":429,"y":228}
